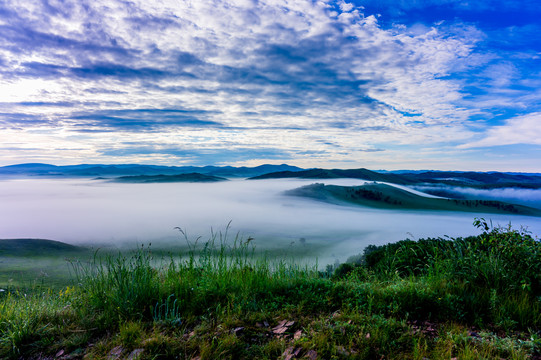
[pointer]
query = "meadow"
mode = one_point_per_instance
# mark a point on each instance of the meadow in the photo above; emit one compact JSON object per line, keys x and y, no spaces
{"x":476,"y":297}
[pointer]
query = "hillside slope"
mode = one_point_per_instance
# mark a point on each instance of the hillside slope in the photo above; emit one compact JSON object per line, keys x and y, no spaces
{"x":362,"y":173}
{"x":38,"y":247}
{"x":479,"y":180}
{"x":190,"y":177}
{"x":389,"y":197}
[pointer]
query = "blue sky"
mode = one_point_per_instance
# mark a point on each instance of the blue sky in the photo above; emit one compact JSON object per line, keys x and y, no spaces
{"x":450,"y":85}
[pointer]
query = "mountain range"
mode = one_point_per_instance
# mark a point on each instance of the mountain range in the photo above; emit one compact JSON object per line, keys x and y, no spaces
{"x":93,"y":170}
{"x":479,"y":180}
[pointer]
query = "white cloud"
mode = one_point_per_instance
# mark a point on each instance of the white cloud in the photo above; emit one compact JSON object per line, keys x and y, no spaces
{"x":501,"y":74}
{"x":525,"y":129}
{"x":344,"y":6}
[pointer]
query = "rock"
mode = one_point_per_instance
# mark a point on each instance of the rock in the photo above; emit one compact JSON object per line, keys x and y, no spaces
{"x":291,"y":353}
{"x":238,"y":331}
{"x":282,"y":327}
{"x":115,"y":353}
{"x":135,"y":354}
{"x":288,"y":353}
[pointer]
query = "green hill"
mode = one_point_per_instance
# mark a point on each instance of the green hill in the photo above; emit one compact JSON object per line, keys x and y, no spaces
{"x":389,"y":197}
{"x":190,"y":177}
{"x":480,"y":180}
{"x":363,"y":174}
{"x":36,"y":247}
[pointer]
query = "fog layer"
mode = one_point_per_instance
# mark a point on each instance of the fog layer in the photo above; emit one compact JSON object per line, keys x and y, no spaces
{"x":103,"y":213}
{"x":528,"y":197}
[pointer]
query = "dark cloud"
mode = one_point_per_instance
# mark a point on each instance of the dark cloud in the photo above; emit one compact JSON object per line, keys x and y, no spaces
{"x":118,"y":71}
{"x":151,"y":22}
{"x":202,"y":156}
{"x":93,"y":72}
{"x":371,"y":150}
{"x":346,"y":125}
{"x":143,"y":119}
{"x":296,"y":75}
{"x":33,"y":40}
{"x":272,"y":73}
{"x":104,"y":91}
{"x":16,"y":120}
{"x":38,"y":70}
{"x":17,"y":148}
{"x":45,"y":103}
{"x":286,"y":76}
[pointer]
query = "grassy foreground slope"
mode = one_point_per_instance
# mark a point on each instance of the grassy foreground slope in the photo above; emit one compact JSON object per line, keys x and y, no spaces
{"x":472,"y":298}
{"x":390,"y":197}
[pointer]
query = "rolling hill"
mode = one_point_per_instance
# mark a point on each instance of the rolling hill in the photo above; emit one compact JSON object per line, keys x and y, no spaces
{"x":36,"y":247}
{"x":389,"y":197}
{"x":479,"y":180}
{"x":364,"y":174}
{"x":190,"y":177}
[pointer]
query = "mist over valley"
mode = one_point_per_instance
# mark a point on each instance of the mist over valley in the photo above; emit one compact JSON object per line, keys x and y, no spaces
{"x":95,"y":212}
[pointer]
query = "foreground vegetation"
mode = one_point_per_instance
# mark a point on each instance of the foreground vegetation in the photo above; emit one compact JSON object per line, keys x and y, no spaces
{"x":467,"y":298}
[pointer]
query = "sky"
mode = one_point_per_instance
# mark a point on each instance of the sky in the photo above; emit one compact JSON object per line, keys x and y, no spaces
{"x":381,"y":84}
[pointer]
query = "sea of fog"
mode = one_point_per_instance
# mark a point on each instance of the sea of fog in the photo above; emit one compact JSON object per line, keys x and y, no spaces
{"x":100,"y":213}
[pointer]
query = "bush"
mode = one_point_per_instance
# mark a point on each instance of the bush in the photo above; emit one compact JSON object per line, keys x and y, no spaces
{"x":503,"y":259}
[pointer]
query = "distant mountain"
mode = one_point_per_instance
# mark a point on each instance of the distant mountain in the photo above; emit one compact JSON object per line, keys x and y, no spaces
{"x":30,"y":168}
{"x":389,"y":197}
{"x":480,"y":180}
{"x":190,"y":177}
{"x":96,"y":170}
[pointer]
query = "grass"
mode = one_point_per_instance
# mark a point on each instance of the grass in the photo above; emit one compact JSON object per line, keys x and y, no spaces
{"x":472,"y":298}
